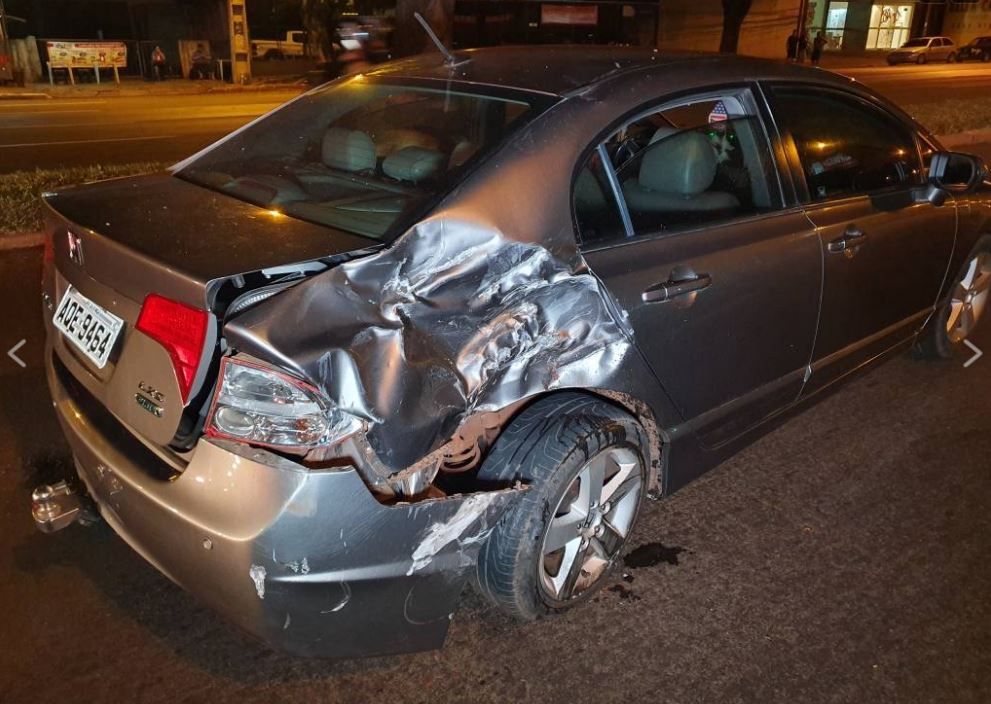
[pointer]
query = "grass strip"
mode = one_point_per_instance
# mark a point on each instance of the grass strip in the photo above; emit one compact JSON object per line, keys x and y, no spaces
{"x":20,"y":192}
{"x":953,"y":115}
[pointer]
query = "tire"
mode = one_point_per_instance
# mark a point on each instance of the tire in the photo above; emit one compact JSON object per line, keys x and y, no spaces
{"x":950,"y":327}
{"x":555,"y":445}
{"x":986,"y":56}
{"x":921,"y":60}
{"x":952,"y":58}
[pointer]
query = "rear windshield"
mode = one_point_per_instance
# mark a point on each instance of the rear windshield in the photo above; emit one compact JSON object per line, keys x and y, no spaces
{"x":361,"y":155}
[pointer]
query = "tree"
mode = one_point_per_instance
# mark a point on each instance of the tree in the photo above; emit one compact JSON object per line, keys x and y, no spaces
{"x":734,"y":12}
{"x":320,"y":18}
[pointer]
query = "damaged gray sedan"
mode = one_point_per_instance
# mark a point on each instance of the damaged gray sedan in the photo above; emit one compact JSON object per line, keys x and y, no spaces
{"x":451,"y":322}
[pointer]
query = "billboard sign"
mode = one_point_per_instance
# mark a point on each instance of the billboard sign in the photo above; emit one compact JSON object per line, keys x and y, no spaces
{"x":87,"y":54}
{"x":569,"y":14}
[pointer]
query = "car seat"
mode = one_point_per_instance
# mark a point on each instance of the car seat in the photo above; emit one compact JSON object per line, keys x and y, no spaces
{"x":676,"y":171}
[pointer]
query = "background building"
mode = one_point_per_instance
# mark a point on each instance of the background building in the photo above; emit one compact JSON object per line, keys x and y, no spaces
{"x":966,"y":20}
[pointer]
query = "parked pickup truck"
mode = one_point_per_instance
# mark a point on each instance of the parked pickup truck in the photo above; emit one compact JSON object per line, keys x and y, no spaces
{"x":294,"y":44}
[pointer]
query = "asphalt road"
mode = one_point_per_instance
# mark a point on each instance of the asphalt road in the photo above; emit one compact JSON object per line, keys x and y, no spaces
{"x":71,"y":131}
{"x":114,"y":130}
{"x":845,"y":557}
{"x":932,"y":83}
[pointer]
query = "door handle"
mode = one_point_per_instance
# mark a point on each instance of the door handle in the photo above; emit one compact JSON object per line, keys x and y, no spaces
{"x":666,"y":290}
{"x":852,"y":237}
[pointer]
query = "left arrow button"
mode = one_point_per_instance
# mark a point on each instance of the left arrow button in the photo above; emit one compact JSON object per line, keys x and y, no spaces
{"x":12,"y":352}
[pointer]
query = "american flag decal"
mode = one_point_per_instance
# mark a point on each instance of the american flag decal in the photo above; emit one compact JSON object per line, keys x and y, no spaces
{"x":718,"y":113}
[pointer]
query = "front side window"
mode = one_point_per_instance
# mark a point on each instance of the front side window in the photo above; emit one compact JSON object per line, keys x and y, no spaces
{"x":692,"y":163}
{"x":846,"y":146}
{"x":361,"y":155}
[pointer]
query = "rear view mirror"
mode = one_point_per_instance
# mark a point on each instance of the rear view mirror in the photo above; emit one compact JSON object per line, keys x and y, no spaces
{"x":955,"y":172}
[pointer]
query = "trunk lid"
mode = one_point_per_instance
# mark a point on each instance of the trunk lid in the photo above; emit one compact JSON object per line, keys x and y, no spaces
{"x":161,"y":235}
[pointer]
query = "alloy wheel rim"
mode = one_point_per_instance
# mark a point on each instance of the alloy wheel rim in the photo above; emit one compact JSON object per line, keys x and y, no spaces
{"x":590,"y":524}
{"x":969,"y":299}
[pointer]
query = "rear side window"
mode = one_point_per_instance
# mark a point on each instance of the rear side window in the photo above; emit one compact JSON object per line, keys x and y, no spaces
{"x":846,"y":146}
{"x":687,"y":164}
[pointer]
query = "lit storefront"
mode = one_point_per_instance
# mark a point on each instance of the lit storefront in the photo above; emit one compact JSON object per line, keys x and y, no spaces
{"x":889,"y":27}
{"x":855,"y":25}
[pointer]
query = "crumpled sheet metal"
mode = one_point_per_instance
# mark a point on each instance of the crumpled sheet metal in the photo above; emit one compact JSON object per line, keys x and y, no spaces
{"x":453,"y":319}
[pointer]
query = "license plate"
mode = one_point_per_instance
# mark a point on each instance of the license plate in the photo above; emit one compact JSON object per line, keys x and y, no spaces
{"x":89,"y":327}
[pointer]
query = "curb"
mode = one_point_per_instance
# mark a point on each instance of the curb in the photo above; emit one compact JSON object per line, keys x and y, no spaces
{"x":25,"y":241}
{"x":139,"y":92}
{"x":24,"y":96}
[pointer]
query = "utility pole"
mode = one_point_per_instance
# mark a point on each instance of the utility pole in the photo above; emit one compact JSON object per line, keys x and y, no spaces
{"x":237,"y":14}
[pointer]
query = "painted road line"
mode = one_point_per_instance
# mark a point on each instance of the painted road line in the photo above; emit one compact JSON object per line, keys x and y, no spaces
{"x":49,"y":112}
{"x":86,"y":141}
{"x":55,"y":106}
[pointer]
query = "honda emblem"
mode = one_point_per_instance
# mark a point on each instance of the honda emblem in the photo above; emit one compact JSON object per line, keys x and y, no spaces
{"x":75,"y":246}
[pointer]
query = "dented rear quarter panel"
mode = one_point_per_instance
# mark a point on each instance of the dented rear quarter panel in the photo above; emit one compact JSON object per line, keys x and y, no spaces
{"x":485,"y":303}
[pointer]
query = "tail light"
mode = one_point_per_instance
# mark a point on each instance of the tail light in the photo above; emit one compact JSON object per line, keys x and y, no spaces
{"x":181,"y":330}
{"x":49,"y":253}
{"x":260,"y":406}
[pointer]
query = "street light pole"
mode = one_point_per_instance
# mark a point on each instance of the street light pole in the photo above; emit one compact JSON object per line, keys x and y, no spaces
{"x":237,"y":13}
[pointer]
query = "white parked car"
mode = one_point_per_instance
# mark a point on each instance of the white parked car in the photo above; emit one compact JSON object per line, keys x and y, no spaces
{"x":923,"y":49}
{"x":293,"y":45}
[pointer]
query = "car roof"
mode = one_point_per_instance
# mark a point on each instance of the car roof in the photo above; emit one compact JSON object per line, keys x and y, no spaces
{"x":562,"y":69}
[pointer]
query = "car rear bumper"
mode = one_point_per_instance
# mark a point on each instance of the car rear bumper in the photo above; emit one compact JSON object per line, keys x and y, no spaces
{"x":308,"y":561}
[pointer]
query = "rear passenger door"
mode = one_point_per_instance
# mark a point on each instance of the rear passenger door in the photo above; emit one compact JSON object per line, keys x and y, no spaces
{"x":885,"y":247}
{"x":680,"y":212}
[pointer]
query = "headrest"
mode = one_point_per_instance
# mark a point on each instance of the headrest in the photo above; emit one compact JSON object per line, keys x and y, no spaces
{"x":413,"y":164}
{"x":348,"y":150}
{"x":683,"y":163}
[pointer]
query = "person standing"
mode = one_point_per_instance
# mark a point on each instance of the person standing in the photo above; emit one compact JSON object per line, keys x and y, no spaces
{"x":803,"y":46}
{"x":793,"y":45}
{"x":818,"y":44}
{"x":158,"y":64}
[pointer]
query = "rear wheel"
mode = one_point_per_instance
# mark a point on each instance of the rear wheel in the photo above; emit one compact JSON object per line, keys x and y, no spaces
{"x":584,"y":460}
{"x":951,"y":58}
{"x":986,"y":56}
{"x":959,"y":316}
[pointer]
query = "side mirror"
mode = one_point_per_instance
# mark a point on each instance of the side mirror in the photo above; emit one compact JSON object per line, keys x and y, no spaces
{"x":954,"y":172}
